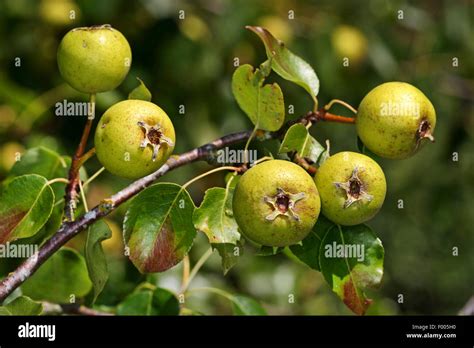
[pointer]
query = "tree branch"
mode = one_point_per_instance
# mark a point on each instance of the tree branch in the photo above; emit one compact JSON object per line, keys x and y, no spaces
{"x":323,"y":115}
{"x":69,"y":229}
{"x":70,"y":197}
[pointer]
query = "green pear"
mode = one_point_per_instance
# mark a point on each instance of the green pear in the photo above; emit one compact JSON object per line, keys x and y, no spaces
{"x":94,"y":59}
{"x":134,"y":138}
{"x":352,"y":188}
{"x":395,"y":119}
{"x":276,"y":203}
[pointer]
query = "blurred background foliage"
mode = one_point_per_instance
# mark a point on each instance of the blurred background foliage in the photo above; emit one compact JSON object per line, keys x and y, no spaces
{"x":190,"y":62}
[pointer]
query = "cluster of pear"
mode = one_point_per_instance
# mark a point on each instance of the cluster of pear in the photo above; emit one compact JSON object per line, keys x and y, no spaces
{"x":276,"y":202}
{"x":134,"y":137}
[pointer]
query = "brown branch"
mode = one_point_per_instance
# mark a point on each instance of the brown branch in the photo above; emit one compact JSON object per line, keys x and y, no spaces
{"x":85,"y":157}
{"x":304,"y":163}
{"x":69,"y":229}
{"x":323,"y":115}
{"x":72,"y":188}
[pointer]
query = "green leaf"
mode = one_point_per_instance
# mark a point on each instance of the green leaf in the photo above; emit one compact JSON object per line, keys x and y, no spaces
{"x":48,"y":229}
{"x":26,"y":202}
{"x":298,"y":139}
{"x":47,"y":163}
{"x":24,"y":305}
{"x":288,"y":65}
{"x":140,"y":92}
{"x":215,"y":218}
{"x":41,"y":161}
{"x":263,"y":104}
{"x":244,"y":305}
{"x":351,"y":260}
{"x":325,"y":155}
{"x":308,"y":250}
{"x":95,"y":257}
{"x":4,"y":312}
{"x":64,"y":274}
{"x":149,"y":302}
{"x":158,"y":227}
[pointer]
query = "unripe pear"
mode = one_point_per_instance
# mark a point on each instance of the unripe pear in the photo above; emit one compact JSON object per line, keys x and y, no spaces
{"x":352,"y":188}
{"x":276,"y":203}
{"x":94,"y":59}
{"x":134,"y":138}
{"x":395,"y":119}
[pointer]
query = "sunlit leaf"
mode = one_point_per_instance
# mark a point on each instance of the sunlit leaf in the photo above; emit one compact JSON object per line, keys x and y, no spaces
{"x":140,"y":92}
{"x":263,"y":104}
{"x":298,"y":139}
{"x":287,"y":64}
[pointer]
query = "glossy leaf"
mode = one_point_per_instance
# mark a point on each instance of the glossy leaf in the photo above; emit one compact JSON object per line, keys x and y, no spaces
{"x":26,"y":202}
{"x":263,"y":104}
{"x":308,"y":250}
{"x":351,"y":260}
{"x":149,"y":302}
{"x":244,"y":305}
{"x":140,"y":92}
{"x":158,"y":227}
{"x":63,"y":275}
{"x":95,"y":256}
{"x":23,"y":306}
{"x":298,"y":139}
{"x":287,"y":64}
{"x":47,"y":163}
